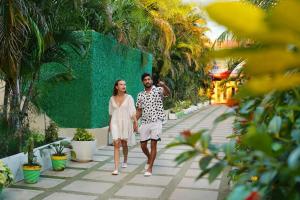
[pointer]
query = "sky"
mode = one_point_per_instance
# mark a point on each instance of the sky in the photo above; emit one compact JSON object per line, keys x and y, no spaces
{"x":215,"y":29}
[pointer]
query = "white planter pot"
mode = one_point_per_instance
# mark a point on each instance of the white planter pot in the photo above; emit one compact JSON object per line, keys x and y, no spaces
{"x":83,"y":150}
{"x":172,"y":116}
{"x":193,"y":108}
{"x":166,"y":114}
{"x":186,"y":111}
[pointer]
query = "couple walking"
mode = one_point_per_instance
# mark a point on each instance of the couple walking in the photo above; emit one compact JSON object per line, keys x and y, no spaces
{"x":124,"y":116}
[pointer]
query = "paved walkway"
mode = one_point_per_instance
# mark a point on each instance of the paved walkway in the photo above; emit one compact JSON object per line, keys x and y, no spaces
{"x":93,"y":181}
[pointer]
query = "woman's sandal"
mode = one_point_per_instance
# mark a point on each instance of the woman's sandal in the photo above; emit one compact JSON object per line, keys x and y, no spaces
{"x":147,"y":174}
{"x":116,"y":172}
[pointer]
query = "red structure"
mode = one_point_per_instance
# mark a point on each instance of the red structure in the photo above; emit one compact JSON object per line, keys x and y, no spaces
{"x":222,"y":92}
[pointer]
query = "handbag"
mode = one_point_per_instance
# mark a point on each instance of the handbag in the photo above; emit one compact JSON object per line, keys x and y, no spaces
{"x":132,"y":139}
{"x":109,"y":139}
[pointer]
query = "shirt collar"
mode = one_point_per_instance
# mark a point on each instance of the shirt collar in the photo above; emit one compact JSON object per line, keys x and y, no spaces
{"x":152,"y":88}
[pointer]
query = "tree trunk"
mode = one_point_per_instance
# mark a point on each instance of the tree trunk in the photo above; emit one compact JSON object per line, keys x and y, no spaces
{"x":5,"y":103}
{"x":15,"y":122}
{"x":28,"y":97}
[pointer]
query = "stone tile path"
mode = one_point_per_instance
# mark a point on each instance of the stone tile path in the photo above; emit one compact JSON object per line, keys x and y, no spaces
{"x":93,"y":181}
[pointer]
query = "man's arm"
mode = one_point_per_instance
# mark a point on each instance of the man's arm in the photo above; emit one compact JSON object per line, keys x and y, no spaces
{"x":138,"y":113}
{"x":166,"y":89}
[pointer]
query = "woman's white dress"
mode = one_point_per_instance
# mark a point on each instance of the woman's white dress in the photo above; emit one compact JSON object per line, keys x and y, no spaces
{"x":121,"y":125}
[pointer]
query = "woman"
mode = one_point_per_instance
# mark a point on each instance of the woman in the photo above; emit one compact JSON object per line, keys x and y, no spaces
{"x":122,"y":121}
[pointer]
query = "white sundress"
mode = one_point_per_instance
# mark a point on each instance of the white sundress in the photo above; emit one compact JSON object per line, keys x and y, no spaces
{"x":121,"y":125}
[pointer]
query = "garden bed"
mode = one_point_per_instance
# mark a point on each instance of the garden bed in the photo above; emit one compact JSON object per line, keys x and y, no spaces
{"x":43,"y":155}
{"x":183,"y":112}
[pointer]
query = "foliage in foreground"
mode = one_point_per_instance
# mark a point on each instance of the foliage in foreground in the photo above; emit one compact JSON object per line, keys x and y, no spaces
{"x":6,"y":176}
{"x":264,"y":150}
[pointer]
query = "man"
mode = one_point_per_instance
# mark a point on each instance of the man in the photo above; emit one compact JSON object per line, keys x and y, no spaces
{"x":150,"y":110}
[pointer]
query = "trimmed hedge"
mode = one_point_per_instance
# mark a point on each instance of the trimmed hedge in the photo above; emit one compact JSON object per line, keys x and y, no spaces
{"x":82,"y":102}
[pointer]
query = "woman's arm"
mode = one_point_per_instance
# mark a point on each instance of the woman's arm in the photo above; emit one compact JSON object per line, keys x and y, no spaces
{"x":109,"y":123}
{"x":110,"y":111}
{"x":135,"y":123}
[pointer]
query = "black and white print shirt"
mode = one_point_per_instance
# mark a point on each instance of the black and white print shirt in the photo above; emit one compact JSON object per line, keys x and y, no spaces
{"x":151,"y":104}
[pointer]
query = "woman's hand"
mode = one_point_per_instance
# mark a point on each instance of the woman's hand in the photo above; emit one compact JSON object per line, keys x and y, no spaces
{"x":135,"y":126}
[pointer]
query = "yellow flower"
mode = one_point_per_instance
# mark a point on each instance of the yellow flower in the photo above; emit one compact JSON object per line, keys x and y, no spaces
{"x":254,"y":178}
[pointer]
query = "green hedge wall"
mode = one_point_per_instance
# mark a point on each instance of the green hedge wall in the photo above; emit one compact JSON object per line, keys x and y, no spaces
{"x":82,"y":102}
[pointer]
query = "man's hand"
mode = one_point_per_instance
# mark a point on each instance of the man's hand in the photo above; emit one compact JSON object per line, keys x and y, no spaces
{"x":161,"y":84}
{"x":138,"y":113}
{"x":166,"y":90}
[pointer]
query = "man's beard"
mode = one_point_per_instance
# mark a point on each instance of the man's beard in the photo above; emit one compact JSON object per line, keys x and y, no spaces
{"x":148,"y":85}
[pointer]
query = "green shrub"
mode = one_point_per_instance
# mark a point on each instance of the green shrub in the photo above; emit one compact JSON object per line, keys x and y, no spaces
{"x":6,"y":176}
{"x":82,"y":135}
{"x":51,"y":133}
{"x":180,"y":105}
{"x":59,"y":148}
{"x":29,"y":149}
{"x":39,"y":138}
{"x":186,"y":104}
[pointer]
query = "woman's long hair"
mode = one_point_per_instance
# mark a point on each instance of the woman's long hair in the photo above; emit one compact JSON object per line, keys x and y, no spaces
{"x":115,"y":90}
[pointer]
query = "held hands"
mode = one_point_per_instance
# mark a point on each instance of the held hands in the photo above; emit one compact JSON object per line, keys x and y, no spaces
{"x":135,"y":126}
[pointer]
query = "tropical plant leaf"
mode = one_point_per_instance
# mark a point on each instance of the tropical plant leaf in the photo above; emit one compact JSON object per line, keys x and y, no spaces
{"x":275,"y":125}
{"x":258,"y":141}
{"x":239,"y":192}
{"x":277,"y":82}
{"x":267,"y":177}
{"x":204,"y":162}
{"x":215,"y":171}
{"x":185,"y":156}
{"x":205,"y":140}
{"x":234,"y":15}
{"x":283,"y":19}
{"x":294,"y":159}
{"x":224,"y":116}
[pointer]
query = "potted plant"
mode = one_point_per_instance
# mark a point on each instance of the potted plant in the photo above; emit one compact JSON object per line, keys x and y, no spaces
{"x":6,"y":176}
{"x":59,"y":157}
{"x":172,"y":114}
{"x":32,"y":169}
{"x":51,"y":133}
{"x":83,"y":144}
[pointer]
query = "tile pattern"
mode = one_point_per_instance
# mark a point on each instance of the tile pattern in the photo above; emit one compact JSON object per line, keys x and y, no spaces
{"x":93,"y":180}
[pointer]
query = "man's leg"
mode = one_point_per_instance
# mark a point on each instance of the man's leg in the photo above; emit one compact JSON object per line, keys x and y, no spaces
{"x":152,"y":155}
{"x":144,"y":136}
{"x":145,"y":150}
{"x":156,"y":130}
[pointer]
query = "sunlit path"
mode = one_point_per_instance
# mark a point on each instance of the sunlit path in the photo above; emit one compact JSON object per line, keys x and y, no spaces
{"x":91,"y":181}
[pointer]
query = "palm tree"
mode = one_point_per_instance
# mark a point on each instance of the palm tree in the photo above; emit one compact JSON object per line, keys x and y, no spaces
{"x":16,"y":29}
{"x":265,"y":4}
{"x":29,"y":37}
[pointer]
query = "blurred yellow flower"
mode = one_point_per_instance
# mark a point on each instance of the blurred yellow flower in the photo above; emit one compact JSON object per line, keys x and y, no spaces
{"x":254,"y":178}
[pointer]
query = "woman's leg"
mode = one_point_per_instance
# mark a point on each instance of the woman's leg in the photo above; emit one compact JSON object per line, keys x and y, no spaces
{"x":125,"y":150}
{"x":117,"y":153}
